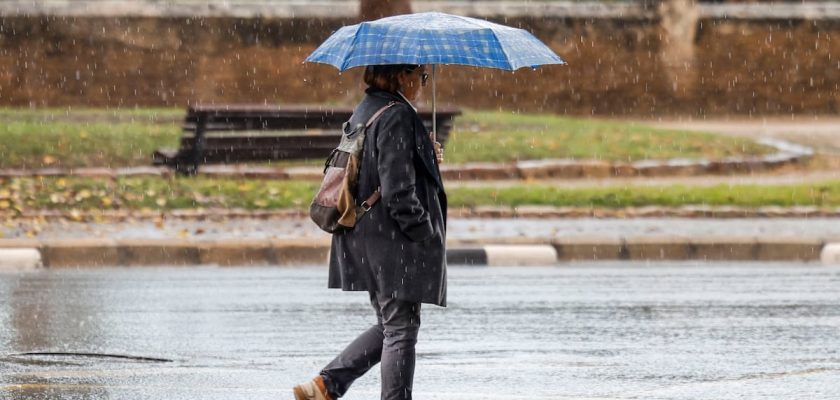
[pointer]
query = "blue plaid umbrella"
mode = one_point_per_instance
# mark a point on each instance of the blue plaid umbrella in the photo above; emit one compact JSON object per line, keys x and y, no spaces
{"x":433,"y":38}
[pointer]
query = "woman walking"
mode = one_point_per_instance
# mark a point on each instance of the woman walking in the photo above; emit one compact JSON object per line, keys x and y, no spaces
{"x":396,"y":252}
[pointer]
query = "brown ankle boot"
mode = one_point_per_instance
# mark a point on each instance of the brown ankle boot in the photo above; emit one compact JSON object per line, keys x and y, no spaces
{"x":312,"y":390}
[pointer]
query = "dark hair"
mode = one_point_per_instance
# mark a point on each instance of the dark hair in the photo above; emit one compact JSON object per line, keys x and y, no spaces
{"x":384,"y":77}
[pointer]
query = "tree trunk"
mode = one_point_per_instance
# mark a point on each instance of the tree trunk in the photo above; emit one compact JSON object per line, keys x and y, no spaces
{"x":678,"y":27}
{"x":374,"y":9}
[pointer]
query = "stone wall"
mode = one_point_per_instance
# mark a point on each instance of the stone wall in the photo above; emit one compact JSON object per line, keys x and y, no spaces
{"x":617,"y":66}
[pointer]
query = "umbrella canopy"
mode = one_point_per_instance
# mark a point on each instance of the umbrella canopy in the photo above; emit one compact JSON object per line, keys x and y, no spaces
{"x":433,"y":38}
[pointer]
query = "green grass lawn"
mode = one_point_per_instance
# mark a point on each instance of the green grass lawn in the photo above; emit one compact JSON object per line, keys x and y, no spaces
{"x":36,"y":138}
{"x":137,"y":193}
{"x":85,"y":138}
{"x":503,"y":136}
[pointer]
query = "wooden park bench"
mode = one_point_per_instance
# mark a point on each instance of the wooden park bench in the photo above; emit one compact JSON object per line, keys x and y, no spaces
{"x":231,"y":133}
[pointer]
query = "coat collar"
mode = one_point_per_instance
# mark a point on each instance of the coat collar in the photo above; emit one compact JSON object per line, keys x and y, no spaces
{"x":385,"y":95}
{"x":425,"y":148}
{"x":407,"y":101}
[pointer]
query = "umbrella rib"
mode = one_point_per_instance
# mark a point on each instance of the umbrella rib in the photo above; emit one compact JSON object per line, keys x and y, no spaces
{"x":350,"y":49}
{"x":504,"y":50}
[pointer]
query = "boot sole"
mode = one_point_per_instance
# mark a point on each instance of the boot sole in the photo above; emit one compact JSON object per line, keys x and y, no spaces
{"x":299,"y":395}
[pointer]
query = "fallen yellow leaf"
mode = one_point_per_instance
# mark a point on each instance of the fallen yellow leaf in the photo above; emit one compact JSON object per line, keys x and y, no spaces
{"x":48,"y":160}
{"x":75,"y":215}
{"x":4,"y":204}
{"x":82,"y":195}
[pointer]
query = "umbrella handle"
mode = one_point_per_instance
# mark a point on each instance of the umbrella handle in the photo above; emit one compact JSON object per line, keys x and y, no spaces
{"x":434,"y":104}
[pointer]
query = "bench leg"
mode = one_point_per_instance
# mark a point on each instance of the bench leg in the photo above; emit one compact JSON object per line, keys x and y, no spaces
{"x":190,"y":167}
{"x":186,"y":168}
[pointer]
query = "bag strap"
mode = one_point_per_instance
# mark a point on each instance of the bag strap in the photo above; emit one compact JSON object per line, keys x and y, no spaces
{"x":329,"y":160}
{"x":376,"y":195}
{"x":378,"y":113}
{"x":367,"y":204}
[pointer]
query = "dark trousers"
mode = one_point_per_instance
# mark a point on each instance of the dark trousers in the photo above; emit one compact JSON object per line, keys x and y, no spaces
{"x":391,"y":341}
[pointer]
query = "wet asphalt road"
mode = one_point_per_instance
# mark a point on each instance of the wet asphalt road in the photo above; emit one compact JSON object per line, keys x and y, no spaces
{"x":605,"y":331}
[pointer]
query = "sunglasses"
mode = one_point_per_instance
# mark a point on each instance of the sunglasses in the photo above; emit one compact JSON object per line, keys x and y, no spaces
{"x":423,"y":76}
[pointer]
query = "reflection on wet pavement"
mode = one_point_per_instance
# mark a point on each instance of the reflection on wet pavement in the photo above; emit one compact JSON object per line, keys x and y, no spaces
{"x":606,"y":331}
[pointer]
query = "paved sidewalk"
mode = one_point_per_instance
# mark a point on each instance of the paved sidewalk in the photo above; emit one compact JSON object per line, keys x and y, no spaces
{"x":473,"y":242}
{"x":472,"y":229}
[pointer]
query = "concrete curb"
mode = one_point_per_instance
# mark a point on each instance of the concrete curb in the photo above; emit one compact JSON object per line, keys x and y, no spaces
{"x":184,"y":252}
{"x":830,"y":254}
{"x":520,"y":255}
{"x":30,"y":254}
{"x":19,"y":259}
{"x":787,"y":154}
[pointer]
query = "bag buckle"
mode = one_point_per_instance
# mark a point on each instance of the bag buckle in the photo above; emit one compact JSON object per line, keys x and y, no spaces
{"x":365,"y":206}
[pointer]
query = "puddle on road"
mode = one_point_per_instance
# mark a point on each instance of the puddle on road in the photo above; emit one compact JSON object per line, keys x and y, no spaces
{"x":47,"y":359}
{"x":85,"y":356}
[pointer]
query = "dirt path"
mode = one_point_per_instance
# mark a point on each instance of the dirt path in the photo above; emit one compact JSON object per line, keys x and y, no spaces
{"x":821,"y":133}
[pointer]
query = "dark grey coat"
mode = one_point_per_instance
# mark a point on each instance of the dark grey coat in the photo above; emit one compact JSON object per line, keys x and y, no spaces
{"x":398,"y":247}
